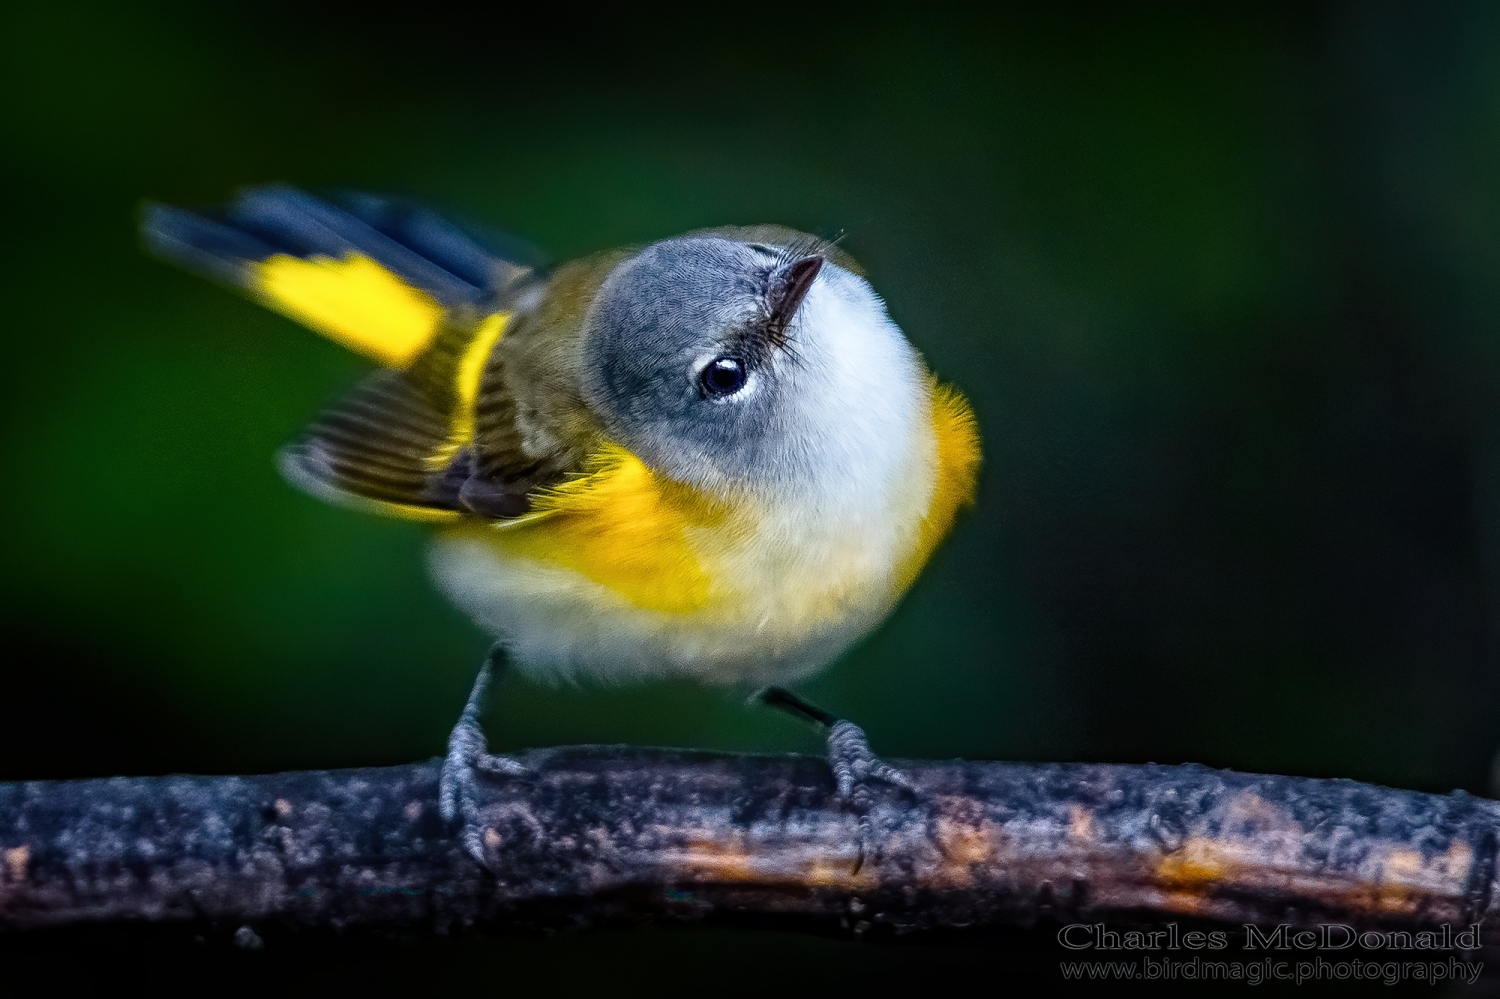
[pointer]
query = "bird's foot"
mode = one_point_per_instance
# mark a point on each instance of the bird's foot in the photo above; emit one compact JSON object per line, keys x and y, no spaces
{"x":860,"y":778}
{"x":856,"y":769}
{"x":469,"y":757}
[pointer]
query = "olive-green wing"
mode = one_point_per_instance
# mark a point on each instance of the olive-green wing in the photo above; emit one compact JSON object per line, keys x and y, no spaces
{"x":532,"y":427}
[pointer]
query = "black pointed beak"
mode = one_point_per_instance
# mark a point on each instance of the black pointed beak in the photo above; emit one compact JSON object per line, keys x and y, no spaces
{"x":789,"y":286}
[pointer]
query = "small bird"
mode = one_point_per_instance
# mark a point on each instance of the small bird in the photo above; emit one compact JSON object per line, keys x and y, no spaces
{"x":714,"y":456}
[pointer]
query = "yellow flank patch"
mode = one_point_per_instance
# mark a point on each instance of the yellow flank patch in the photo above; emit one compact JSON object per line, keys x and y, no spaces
{"x":625,"y":528}
{"x":466,"y":388}
{"x":354,"y":302}
{"x":958,"y":455}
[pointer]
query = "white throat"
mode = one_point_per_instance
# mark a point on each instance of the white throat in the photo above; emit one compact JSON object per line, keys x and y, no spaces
{"x":857,"y":401}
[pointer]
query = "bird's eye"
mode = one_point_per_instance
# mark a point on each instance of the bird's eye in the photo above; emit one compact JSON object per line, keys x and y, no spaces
{"x":724,"y":376}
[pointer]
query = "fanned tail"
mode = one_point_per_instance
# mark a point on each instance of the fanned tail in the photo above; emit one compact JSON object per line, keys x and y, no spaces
{"x":379,"y":276}
{"x":389,"y":280}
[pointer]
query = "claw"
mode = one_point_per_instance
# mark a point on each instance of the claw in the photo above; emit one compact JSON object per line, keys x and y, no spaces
{"x":502,"y":765}
{"x":468,"y":755}
{"x":854,"y":764}
{"x":855,"y":768}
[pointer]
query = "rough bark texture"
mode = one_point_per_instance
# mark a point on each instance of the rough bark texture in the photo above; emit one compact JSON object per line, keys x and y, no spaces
{"x":609,"y":833}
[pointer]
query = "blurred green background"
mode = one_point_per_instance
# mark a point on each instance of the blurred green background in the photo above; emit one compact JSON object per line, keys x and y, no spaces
{"x":1222,"y":282}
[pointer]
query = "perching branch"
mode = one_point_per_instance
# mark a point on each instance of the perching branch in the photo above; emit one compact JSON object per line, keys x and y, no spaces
{"x":600,"y":834}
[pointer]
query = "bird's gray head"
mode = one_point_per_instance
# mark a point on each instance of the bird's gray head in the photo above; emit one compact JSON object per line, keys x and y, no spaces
{"x":731,"y":364}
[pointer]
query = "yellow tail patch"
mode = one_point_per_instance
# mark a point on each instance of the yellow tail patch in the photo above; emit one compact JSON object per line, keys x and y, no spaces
{"x":353,"y":301}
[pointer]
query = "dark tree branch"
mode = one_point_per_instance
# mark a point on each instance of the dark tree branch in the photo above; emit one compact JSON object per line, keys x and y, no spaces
{"x":608,"y":833}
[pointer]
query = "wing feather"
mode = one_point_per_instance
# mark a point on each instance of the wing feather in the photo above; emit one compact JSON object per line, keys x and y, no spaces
{"x":432,"y":435}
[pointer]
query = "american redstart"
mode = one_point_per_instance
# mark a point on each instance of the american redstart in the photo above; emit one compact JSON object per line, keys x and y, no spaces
{"x":714,"y":456}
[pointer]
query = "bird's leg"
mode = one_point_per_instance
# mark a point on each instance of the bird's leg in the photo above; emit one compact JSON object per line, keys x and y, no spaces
{"x":855,"y":767}
{"x":468,"y":756}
